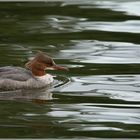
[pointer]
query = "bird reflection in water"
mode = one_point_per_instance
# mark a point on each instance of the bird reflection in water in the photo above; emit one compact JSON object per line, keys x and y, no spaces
{"x":35,"y":95}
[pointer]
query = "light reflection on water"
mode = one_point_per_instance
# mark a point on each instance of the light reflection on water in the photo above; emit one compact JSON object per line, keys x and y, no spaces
{"x":90,"y":51}
{"x":124,"y":87}
{"x":129,"y":7}
{"x":125,"y":26}
{"x":93,"y":113}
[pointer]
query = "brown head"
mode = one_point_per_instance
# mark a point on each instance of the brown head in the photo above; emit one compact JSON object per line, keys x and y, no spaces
{"x":42,"y":62}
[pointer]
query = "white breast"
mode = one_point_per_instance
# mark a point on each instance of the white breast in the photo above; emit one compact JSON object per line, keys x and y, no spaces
{"x":46,"y":79}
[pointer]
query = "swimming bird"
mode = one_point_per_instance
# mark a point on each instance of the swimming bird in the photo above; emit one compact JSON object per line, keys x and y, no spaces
{"x":33,"y":76}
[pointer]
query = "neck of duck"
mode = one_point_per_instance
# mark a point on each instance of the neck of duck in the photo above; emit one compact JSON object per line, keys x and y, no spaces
{"x":37,"y":68}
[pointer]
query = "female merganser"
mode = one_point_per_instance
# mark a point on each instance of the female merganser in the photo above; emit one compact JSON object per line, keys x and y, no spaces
{"x":34,"y":76}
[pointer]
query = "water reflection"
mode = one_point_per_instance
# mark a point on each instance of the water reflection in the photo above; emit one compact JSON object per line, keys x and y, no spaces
{"x":125,"y":26}
{"x":43,"y":94}
{"x":120,"y":87}
{"x":96,"y":117}
{"x":129,"y":7}
{"x":94,"y":113}
{"x":99,"y":42}
{"x":66,"y":24}
{"x":89,"y":51}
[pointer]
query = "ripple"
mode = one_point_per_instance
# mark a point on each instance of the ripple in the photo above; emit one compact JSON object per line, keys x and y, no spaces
{"x":96,"y":128}
{"x":60,"y":81}
{"x":130,"y":26}
{"x":102,"y":52}
{"x":90,"y":113}
{"x":52,"y":24}
{"x":120,"y":87}
{"x":66,"y":24}
{"x":129,"y":7}
{"x":89,"y":103}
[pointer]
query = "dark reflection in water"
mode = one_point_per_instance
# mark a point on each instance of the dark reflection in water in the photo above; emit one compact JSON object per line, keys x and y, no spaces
{"x":100,"y":43}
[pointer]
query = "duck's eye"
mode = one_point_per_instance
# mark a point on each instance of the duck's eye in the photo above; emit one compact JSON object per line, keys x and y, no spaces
{"x":50,"y":64}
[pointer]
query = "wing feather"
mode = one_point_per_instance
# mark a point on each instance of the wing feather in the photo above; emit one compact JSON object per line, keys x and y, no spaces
{"x":15,"y":73}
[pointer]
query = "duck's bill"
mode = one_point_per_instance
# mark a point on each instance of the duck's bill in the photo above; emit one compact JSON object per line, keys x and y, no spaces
{"x":56,"y":67}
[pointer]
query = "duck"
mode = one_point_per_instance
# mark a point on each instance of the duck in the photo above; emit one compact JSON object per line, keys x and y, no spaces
{"x":32,"y":76}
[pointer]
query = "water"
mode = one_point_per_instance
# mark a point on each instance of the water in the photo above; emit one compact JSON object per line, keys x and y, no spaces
{"x":100,"y":43}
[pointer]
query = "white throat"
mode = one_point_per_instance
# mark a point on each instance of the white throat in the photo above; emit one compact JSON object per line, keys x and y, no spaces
{"x":45,"y":78}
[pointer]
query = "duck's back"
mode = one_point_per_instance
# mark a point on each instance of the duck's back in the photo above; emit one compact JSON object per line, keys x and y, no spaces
{"x":13,"y":77}
{"x":14,"y":73}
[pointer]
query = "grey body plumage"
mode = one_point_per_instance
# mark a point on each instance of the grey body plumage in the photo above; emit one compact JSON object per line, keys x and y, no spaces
{"x":12,"y":78}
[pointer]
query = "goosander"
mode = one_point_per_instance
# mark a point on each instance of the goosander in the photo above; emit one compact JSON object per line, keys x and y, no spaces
{"x":32,"y":76}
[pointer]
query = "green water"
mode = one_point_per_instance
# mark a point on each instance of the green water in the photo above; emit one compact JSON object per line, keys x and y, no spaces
{"x":99,"y":41}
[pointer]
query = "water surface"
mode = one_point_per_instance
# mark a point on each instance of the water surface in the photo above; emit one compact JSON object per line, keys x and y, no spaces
{"x":100,"y":43}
